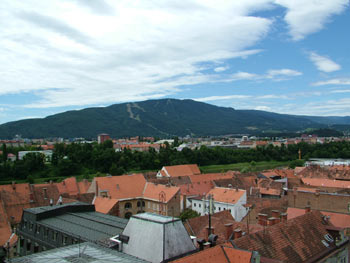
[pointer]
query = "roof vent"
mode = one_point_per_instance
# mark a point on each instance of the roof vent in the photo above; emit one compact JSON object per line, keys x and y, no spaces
{"x":324,"y":242}
{"x":329,"y":238}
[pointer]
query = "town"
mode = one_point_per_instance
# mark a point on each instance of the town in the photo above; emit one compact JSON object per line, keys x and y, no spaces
{"x":181,"y":212}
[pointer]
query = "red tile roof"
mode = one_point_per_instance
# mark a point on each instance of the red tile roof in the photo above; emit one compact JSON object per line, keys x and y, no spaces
{"x":326,"y":182}
{"x":226,"y":195}
{"x":105,"y":205}
{"x":210,"y":177}
{"x":336,"y":219}
{"x":152,"y":191}
{"x":296,"y":240}
{"x":180,"y":170}
{"x":196,"y":189}
{"x":219,"y":254}
{"x":121,"y":187}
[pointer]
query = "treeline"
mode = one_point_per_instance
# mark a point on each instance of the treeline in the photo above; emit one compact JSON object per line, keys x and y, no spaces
{"x":88,"y":159}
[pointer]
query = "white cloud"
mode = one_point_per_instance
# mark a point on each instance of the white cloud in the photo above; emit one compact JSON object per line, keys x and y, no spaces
{"x":228,"y":97}
{"x":263,"y":108}
{"x":310,"y":16}
{"x":323,"y":63}
{"x":282,"y":73}
{"x":336,"y":81}
{"x":220,"y":69}
{"x":120,"y":50}
{"x":340,"y":91}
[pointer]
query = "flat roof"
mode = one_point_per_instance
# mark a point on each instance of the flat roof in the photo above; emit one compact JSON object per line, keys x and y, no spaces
{"x":80,"y":253}
{"x":156,"y":218}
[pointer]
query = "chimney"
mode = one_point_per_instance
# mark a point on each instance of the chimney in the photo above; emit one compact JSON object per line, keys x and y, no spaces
{"x":184,"y":200}
{"x":307,"y":209}
{"x":96,"y":189}
{"x":237,"y":233}
{"x":284,"y":217}
{"x":271,"y":221}
{"x":14,"y":185}
{"x":229,"y":228}
{"x":275,"y":213}
{"x":210,"y":232}
{"x":50,"y":181}
{"x":51,"y":202}
{"x":262,"y":219}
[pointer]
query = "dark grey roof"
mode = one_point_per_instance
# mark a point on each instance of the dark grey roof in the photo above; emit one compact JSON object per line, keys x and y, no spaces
{"x":82,"y":253}
{"x":89,"y":226}
{"x":41,"y":209}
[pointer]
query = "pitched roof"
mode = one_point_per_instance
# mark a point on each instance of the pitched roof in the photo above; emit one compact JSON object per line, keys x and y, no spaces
{"x":326,"y":182}
{"x":68,"y":185}
{"x":296,"y":240}
{"x":210,"y":177}
{"x":104,"y":205}
{"x":197,"y":226}
{"x":124,"y":186}
{"x":180,"y":170}
{"x":226,"y":195}
{"x":83,"y":186}
{"x":221,"y":254}
{"x":199,"y":188}
{"x":153,"y":191}
{"x":5,"y":229}
{"x":336,"y":219}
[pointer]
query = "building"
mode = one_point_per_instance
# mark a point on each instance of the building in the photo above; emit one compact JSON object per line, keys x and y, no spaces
{"x":179,"y":170}
{"x":229,"y":199}
{"x":86,"y":252}
{"x":307,"y":238}
{"x":132,"y":195}
{"x":49,"y":227}
{"x":101,"y":138}
{"x":46,"y":153}
{"x":155,"y":238}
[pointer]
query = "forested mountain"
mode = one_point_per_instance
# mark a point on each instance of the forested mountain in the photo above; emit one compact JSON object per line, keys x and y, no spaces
{"x":165,"y":117}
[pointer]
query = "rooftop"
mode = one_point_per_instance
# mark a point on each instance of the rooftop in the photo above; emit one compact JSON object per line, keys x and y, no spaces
{"x":81,"y":253}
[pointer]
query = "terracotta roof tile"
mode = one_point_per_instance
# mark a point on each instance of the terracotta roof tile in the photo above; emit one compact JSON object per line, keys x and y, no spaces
{"x":181,"y":170}
{"x":226,"y":195}
{"x":210,"y":177}
{"x":196,"y":189}
{"x":152,"y":191}
{"x":296,"y":240}
{"x":326,"y":182}
{"x":336,"y":219}
{"x":104,"y":205}
{"x":221,"y":254}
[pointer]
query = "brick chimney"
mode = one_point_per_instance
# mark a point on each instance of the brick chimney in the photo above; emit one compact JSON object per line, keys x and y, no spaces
{"x":307,"y":209}
{"x":237,"y":233}
{"x":275,"y":213}
{"x":229,"y":230}
{"x":212,"y":230}
{"x":262,"y":219}
{"x":284,"y":217}
{"x":271,"y":221}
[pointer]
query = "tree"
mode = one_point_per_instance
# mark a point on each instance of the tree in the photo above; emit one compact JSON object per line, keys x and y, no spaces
{"x":4,"y":152}
{"x":188,"y":213}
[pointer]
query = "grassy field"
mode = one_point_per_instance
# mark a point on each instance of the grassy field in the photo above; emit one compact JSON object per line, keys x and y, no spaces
{"x":259,"y":166}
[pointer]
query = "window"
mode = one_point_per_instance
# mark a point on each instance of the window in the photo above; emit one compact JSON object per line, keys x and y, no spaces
{"x":200,"y":205}
{"x":24,"y":224}
{"x":36,"y":248}
{"x":38,"y":228}
{"x":138,"y":203}
{"x":46,"y":233}
{"x":31,"y":226}
{"x":64,"y":240}
{"x":128,"y":205}
{"x":143,"y":204}
{"x":29,"y":243}
{"x":219,"y":208}
{"x":194,"y":204}
{"x":45,"y":193}
{"x":54,"y":236}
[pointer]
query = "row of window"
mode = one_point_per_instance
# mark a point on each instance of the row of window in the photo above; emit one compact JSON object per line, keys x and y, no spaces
{"x":216,"y":208}
{"x":53,"y":236}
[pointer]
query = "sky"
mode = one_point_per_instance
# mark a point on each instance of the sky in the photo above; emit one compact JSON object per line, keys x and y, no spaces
{"x":284,"y":56}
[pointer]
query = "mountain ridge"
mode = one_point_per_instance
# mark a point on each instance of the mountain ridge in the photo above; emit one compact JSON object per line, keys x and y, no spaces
{"x":163,"y":117}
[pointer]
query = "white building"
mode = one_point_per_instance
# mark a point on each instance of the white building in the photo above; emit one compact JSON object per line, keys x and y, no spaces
{"x":47,"y":153}
{"x":224,"y":199}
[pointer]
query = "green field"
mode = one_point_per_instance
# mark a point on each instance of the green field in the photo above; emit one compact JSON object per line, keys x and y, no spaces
{"x":259,"y":166}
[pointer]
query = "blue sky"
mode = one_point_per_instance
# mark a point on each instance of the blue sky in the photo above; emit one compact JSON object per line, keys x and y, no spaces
{"x":285,"y":56}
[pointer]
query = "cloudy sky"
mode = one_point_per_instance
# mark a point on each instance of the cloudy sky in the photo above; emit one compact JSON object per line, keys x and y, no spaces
{"x":285,"y":56}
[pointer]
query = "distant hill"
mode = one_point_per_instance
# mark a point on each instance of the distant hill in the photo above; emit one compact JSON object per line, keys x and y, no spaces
{"x":165,"y":117}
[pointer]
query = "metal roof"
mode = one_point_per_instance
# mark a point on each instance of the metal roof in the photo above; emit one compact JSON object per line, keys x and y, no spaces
{"x":156,"y":218}
{"x":88,"y":226}
{"x":81,"y":253}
